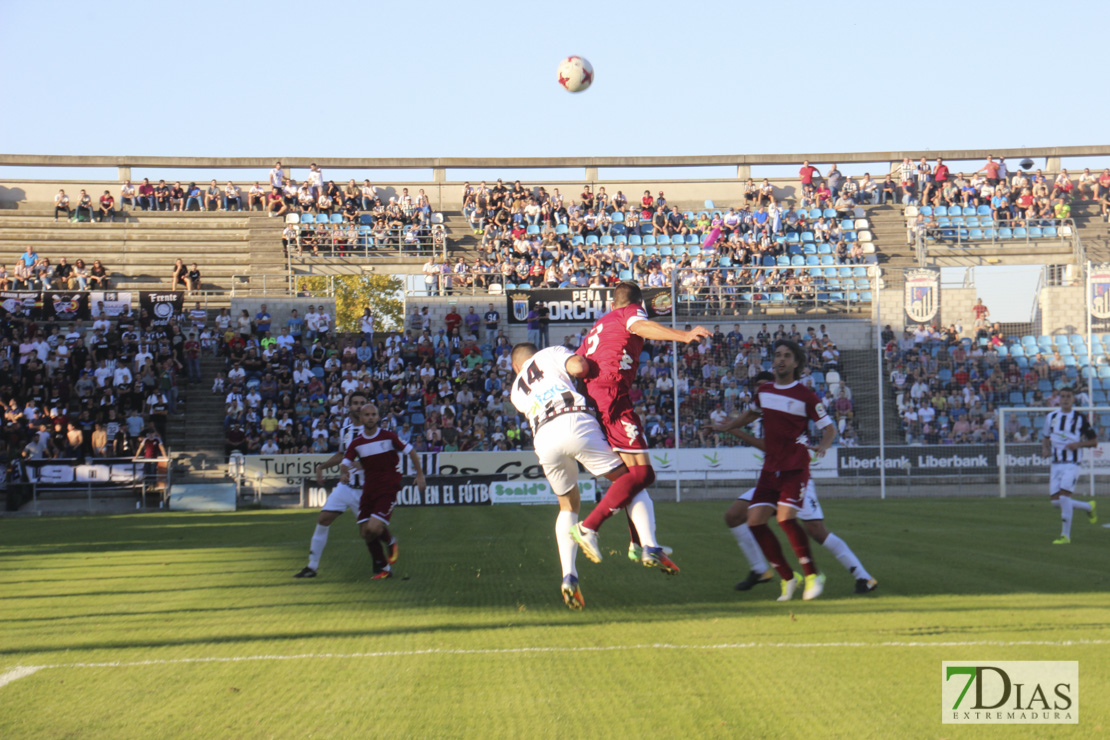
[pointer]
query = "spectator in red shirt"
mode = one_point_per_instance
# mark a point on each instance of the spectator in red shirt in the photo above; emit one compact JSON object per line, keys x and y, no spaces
{"x":806,"y":173}
{"x":980,"y":310}
{"x":453,"y":319}
{"x":991,"y":170}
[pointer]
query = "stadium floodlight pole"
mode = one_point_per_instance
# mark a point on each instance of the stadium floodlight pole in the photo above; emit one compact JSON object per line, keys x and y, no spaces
{"x":674,"y":379}
{"x":882,"y":388}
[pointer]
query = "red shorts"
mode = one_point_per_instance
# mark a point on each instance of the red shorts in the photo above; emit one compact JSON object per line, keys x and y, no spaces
{"x":623,"y":428}
{"x":787,"y":487}
{"x":376,"y":503}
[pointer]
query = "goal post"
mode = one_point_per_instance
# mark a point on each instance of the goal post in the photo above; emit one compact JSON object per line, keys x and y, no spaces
{"x":1022,"y":467}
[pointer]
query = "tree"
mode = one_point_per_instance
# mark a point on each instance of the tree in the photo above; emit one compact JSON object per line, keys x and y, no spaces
{"x":353,"y":293}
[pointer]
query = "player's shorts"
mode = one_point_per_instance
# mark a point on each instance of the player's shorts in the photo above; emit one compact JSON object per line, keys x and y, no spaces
{"x":618,"y":419}
{"x":570,"y":439}
{"x":783,"y":488}
{"x":1062,"y":477}
{"x":377,"y":504}
{"x":343,"y":498}
{"x":811,"y":507}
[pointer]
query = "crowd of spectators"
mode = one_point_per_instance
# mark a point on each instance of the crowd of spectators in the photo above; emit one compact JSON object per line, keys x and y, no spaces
{"x":80,"y":391}
{"x":948,"y":387}
{"x":445,"y":387}
{"x":35,"y":272}
{"x":532,"y":238}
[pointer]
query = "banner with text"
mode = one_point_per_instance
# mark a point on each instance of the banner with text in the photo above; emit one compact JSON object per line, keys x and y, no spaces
{"x":580,"y":305}
{"x":471,"y":490}
{"x":904,"y":460}
{"x":25,"y":304}
{"x":104,"y":472}
{"x":535,"y":492}
{"x":161,"y":307}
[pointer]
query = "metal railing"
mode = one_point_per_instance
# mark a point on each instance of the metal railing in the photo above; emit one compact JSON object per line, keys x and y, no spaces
{"x":355,"y":242}
{"x":960,"y":235}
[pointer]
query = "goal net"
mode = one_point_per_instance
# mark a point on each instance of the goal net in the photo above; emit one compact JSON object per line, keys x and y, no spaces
{"x":1023,"y":468}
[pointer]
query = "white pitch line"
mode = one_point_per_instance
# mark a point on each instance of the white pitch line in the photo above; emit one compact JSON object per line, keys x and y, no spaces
{"x":17,"y":673}
{"x":22,"y":671}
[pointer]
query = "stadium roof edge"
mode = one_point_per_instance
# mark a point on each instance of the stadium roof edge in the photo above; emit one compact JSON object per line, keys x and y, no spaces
{"x":60,"y":160}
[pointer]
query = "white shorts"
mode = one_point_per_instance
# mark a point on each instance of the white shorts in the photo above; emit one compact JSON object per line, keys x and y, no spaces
{"x":570,"y":439}
{"x":342,"y":498}
{"x":1062,"y":477}
{"x":811,"y":507}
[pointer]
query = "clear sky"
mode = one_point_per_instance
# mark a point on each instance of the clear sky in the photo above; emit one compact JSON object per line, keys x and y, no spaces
{"x":429,"y":79}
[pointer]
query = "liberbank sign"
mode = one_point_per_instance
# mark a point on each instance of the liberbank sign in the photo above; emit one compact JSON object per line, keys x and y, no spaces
{"x":865,"y":462}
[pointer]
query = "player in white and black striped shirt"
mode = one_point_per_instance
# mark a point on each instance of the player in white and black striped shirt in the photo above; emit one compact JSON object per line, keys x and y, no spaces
{"x":1066,"y":432}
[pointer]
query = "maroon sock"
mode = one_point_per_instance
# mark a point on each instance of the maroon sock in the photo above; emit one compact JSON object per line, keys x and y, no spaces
{"x":772,"y":550}
{"x":377,"y":554}
{"x":800,"y":543}
{"x":619,"y":494}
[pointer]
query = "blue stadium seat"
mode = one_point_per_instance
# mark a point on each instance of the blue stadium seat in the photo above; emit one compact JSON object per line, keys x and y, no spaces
{"x":649,"y":240}
{"x":606,"y":240}
{"x":308,"y":218}
{"x":811,"y":260}
{"x":725,"y":261}
{"x":651,"y":251}
{"x":1016,"y":398}
{"x":1020,"y":232}
{"x":824,"y":249}
{"x":829,"y":213}
{"x":807,"y":236}
{"x":577,"y":241}
{"x":815,"y":213}
{"x":365,"y":218}
{"x":533,"y":229}
{"x":665,"y":251}
{"x":562,"y":229}
{"x":662,"y":239}
{"x":793,"y":238}
{"x":782,"y":261}
{"x":983,"y":210}
{"x":940,"y":211}
{"x":1050,"y":231}
{"x":845,"y":272}
{"x":809,"y":248}
{"x":926,"y":211}
{"x":1029,"y":340}
{"x":693,"y":251}
{"x":830,"y":273}
{"x":971,"y":221}
{"x":635,"y":240}
{"x":709,"y":205}
{"x":797,"y":261}
{"x":625,"y":274}
{"x":591,"y":240}
{"x":975,"y":234}
{"x":637,"y":251}
{"x":778,"y":298}
{"x":1035,"y":232}
{"x":768,"y":261}
{"x":618,"y":217}
{"x":850,"y":236}
{"x":1005,"y":234}
{"x":859,"y":271}
{"x":337,"y":218}
{"x":679,"y":251}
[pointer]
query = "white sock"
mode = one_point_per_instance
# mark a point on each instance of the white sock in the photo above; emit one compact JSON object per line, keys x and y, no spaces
{"x":844,"y":555}
{"x":319,"y":541}
{"x":1080,"y":505}
{"x":568,"y":548}
{"x":749,"y":547}
{"x":642,"y":512}
{"x":1065,"y":503}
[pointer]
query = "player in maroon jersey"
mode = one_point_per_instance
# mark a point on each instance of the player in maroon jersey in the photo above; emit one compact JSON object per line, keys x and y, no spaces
{"x":786,"y":407}
{"x":614,"y":344}
{"x":377,"y":453}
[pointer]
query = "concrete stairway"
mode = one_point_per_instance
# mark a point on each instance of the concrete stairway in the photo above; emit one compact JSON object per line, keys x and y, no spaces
{"x":1094,"y":232}
{"x":196,"y":438}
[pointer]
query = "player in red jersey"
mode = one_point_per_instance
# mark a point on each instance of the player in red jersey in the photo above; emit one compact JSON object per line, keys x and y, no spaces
{"x":786,"y":407}
{"x":376,"y":453}
{"x":614,"y":344}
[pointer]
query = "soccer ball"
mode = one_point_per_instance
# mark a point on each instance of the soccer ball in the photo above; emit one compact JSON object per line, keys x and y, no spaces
{"x":575,"y":74}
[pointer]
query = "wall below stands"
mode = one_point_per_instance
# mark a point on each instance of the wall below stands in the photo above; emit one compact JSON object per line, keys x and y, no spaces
{"x":1063,"y":310}
{"x":847,"y":333}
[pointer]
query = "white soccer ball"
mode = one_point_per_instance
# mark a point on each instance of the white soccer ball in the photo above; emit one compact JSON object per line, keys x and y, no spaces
{"x":575,"y":74}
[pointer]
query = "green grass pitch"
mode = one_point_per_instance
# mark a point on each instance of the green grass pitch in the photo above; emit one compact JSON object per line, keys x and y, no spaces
{"x":191,"y":626}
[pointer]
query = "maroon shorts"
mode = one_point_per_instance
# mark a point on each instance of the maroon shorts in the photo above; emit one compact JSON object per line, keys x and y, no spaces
{"x":377,"y":504}
{"x":622,"y":425}
{"x":786,"y":487}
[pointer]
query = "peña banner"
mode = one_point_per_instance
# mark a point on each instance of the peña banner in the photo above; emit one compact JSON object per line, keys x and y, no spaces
{"x":580,"y":305}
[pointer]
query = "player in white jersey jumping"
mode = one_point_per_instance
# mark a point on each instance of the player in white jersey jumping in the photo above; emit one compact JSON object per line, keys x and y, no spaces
{"x":811,"y":516}
{"x":345,"y":495}
{"x":565,"y":432}
{"x":1066,"y":432}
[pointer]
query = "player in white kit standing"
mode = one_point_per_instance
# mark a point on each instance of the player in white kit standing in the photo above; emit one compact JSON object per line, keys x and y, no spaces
{"x":565,"y":432}
{"x":1066,"y":432}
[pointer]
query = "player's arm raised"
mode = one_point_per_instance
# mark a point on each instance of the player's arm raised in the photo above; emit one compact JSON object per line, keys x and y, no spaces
{"x":654,"y":330}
